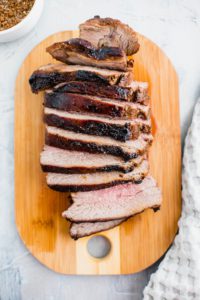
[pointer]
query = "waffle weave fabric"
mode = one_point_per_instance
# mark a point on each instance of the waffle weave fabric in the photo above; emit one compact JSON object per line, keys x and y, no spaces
{"x":178,"y":276}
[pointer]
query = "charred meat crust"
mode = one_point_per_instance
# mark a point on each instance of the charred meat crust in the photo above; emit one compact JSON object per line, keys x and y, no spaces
{"x":145,"y":128}
{"x":84,"y":103}
{"x":50,"y":75}
{"x":118,"y":132}
{"x":84,"y":170}
{"x":87,"y":188}
{"x":93,"y":89}
{"x":60,"y":142}
{"x":40,"y":81}
{"x":156,"y":208}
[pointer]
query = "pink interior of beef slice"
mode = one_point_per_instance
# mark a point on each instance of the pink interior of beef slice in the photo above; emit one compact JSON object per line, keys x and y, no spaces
{"x":95,"y":181}
{"x":81,"y":52}
{"x":78,"y":230}
{"x":52,"y":74}
{"x":57,"y":160}
{"x":109,"y":32}
{"x":121,"y":201}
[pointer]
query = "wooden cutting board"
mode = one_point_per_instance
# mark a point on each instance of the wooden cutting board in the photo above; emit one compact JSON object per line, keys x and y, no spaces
{"x":143,"y":239}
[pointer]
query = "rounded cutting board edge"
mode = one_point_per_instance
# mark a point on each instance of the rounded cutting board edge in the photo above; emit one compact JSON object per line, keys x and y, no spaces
{"x":141,"y":240}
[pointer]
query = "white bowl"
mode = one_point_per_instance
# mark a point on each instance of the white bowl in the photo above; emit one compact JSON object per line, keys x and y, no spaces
{"x":25,"y":25}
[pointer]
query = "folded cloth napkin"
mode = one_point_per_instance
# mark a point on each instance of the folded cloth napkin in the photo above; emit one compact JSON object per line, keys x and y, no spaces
{"x":178,"y":276}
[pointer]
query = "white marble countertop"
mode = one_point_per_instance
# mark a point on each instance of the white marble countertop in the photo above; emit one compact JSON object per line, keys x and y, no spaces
{"x":175,"y":26}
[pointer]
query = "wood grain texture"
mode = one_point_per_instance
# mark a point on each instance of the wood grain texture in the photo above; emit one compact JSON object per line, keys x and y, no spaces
{"x":137,"y":243}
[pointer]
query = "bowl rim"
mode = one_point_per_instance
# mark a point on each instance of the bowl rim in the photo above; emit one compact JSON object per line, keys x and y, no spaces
{"x":25,"y":20}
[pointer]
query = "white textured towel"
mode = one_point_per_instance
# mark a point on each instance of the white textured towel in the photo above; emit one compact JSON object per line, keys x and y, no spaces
{"x":178,"y":276}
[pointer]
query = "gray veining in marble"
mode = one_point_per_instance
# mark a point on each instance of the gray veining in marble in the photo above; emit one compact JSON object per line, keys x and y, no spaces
{"x":175,"y":26}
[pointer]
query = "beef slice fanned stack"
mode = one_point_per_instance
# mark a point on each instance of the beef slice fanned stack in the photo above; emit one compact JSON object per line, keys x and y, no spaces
{"x":98,"y":127}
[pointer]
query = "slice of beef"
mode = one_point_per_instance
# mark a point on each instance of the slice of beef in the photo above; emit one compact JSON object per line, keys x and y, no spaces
{"x":79,"y":230}
{"x":94,"y":89}
{"x":121,"y":130}
{"x":96,"y":105}
{"x":109,"y":32}
{"x":52,"y":74}
{"x":57,"y":160}
{"x":114,"y":203}
{"x":81,"y":52}
{"x":95,"y":181}
{"x":131,"y":94}
{"x":69,"y":140}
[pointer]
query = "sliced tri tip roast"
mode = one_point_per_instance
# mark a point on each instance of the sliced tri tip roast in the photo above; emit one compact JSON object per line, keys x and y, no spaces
{"x":98,"y":127}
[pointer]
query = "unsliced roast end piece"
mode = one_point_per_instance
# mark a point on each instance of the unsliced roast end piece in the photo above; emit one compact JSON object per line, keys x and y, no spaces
{"x":110,"y":32}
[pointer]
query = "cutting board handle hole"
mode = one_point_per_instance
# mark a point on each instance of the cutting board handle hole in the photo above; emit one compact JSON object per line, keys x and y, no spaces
{"x":98,"y":246}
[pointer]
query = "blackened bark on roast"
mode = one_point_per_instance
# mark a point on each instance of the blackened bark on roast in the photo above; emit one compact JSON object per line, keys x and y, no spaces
{"x":118,"y":132}
{"x":83,"y":188}
{"x":61,"y":142}
{"x":94,"y":89}
{"x":83,"y":170}
{"x":41,"y":81}
{"x":90,"y":104}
